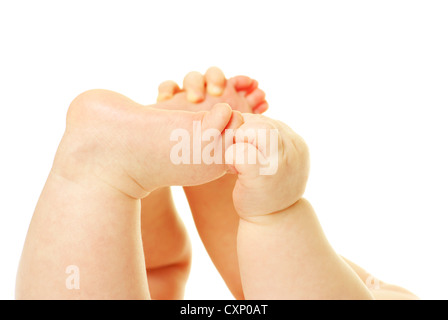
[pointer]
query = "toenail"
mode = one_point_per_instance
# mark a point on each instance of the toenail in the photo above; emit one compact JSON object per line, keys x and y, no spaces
{"x":214,"y":90}
{"x":195,"y":96}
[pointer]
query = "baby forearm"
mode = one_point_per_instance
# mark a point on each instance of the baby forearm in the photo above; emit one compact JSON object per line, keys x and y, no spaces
{"x":286,"y":255}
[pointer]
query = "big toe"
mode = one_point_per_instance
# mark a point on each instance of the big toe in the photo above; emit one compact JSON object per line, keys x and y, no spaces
{"x":236,"y":120}
{"x":218,"y":117}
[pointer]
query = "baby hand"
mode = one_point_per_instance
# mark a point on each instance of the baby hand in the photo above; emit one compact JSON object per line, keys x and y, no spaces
{"x":272,"y":163}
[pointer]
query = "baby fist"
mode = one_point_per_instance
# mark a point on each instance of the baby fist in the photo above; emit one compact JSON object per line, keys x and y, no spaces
{"x":272,"y":163}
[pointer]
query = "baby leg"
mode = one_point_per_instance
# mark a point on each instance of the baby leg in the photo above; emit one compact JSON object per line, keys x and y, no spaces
{"x":84,"y":241}
{"x":166,"y":246}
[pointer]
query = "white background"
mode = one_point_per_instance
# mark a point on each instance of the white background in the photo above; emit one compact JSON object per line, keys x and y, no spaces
{"x":364,"y":82}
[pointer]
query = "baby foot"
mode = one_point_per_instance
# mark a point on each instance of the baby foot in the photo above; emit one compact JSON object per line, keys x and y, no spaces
{"x":272,"y":164}
{"x":218,"y":227}
{"x":201,"y":92}
{"x":112,"y":139}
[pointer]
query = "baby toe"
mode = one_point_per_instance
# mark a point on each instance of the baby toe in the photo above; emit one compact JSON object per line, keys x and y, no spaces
{"x":215,"y":81}
{"x":256,"y":98}
{"x":167,"y":90}
{"x":194,"y":85}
